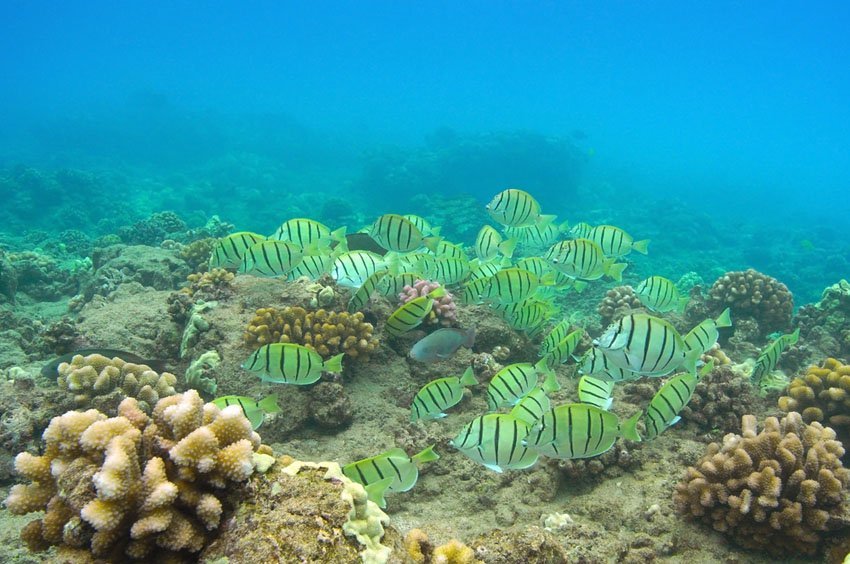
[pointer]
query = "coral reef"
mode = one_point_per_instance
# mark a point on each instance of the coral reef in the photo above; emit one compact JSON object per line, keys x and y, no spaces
{"x":44,"y":278}
{"x":326,"y":332}
{"x":96,"y":375}
{"x":444,"y":311}
{"x":8,"y":278}
{"x":610,"y":464}
{"x":533,"y":544}
{"x":201,"y":373}
{"x":132,"y":485}
{"x":212,"y":285}
{"x":822,"y":394}
{"x":618,"y":302}
{"x":197,"y":253}
{"x":60,"y":336}
{"x":826,"y":324}
{"x":720,"y":399}
{"x":755,"y":295}
{"x":777,"y":491}
{"x":152,"y":230}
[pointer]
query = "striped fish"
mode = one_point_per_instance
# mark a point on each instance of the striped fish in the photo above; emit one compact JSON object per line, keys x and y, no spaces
{"x":393,"y":284}
{"x":351,"y":269}
{"x":648,"y":345}
{"x":584,"y":259}
{"x":535,"y":265}
{"x":555,"y":336}
{"x":473,"y":290}
{"x":308,"y":233}
{"x":664,"y":407}
{"x":410,"y":315}
{"x":315,"y":266}
{"x":615,"y":242}
{"x":438,"y":395}
{"x":254,"y":410}
{"x":489,"y":244}
{"x":228,"y":252}
{"x":271,"y":258}
{"x":532,"y":407}
{"x":704,"y":336}
{"x":594,"y":391}
{"x":391,"y":471}
{"x":527,"y":316}
{"x":450,"y":250}
{"x":537,"y":235}
{"x":395,"y":233}
{"x":578,"y":430}
{"x":595,"y":363}
{"x":581,"y":230}
{"x":660,"y":294}
{"x":478,"y":269}
{"x":510,"y":286}
{"x":516,"y":208}
{"x":446,"y":270}
{"x":563,"y":351}
{"x":768,"y":358}
{"x":422,"y":224}
{"x":288,"y":363}
{"x":513,"y":382}
{"x":364,"y":292}
{"x":495,"y":440}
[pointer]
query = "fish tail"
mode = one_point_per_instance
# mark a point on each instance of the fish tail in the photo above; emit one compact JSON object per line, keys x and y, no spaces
{"x":564,"y":227}
{"x":629,"y":428}
{"x":682,"y":304}
{"x":641,"y":246}
{"x":724,"y":319}
{"x":376,"y":490}
{"x":427,"y":455}
{"x":551,"y":384}
{"x":544,"y":220}
{"x":339,"y":235}
{"x":614,"y":269}
{"x":507,"y":247}
{"x":468,"y":378}
{"x":709,"y":366}
{"x":269,"y":404}
{"x":794,"y":337}
{"x":431,"y":243}
{"x":579,"y":286}
{"x":437,"y":292}
{"x":690,"y":362}
{"x":334,"y":364}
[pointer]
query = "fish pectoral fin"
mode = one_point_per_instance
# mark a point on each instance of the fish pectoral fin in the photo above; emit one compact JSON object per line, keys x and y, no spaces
{"x":494,"y":468}
{"x":674,"y":421}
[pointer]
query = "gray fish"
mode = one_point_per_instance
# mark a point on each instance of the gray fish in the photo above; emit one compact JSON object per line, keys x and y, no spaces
{"x":442,"y":344}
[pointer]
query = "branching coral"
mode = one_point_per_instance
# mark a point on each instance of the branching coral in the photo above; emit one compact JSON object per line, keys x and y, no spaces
{"x":215,"y":284}
{"x":753,"y":294}
{"x":720,"y":399}
{"x":135,"y":485}
{"x":776,"y":491}
{"x":821,"y":394}
{"x":326,"y":332}
{"x":96,"y":375}
{"x":197,"y":253}
{"x":444,"y":311}
{"x":826,"y":324}
{"x":618,"y":302}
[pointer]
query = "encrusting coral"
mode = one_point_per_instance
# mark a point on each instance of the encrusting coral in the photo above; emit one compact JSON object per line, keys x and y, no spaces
{"x":97,"y":375}
{"x":775,"y":491}
{"x":755,"y":295}
{"x":134,"y":486}
{"x":444,"y":311}
{"x":821,"y":394}
{"x":326,"y":332}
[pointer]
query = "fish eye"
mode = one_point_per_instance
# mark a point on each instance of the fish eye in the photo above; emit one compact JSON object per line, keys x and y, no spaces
{"x":555,"y":261}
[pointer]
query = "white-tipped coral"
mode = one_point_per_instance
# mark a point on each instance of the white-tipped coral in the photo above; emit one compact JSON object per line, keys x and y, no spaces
{"x":135,"y":484}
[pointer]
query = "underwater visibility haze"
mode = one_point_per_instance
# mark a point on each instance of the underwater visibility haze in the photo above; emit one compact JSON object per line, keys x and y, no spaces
{"x":425,"y":283}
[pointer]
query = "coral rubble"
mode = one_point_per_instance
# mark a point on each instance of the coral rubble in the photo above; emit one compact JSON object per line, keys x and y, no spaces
{"x":778,"y":490}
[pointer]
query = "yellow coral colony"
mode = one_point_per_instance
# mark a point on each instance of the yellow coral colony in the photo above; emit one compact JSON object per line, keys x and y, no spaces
{"x":143,"y":486}
{"x":326,"y":332}
{"x":821,"y":394}
{"x":97,"y":375}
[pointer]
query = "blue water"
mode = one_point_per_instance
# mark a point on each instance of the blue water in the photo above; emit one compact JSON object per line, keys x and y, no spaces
{"x":718,"y":129}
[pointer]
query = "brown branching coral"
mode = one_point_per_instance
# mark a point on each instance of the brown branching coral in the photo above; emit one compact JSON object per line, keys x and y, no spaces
{"x":755,"y":295}
{"x":326,"y":332}
{"x":215,"y":284}
{"x":720,"y":399}
{"x":96,"y":375}
{"x":821,"y":394}
{"x":618,"y":302}
{"x":134,"y":487}
{"x":197,"y":253}
{"x":826,"y":324}
{"x":777,"y":491}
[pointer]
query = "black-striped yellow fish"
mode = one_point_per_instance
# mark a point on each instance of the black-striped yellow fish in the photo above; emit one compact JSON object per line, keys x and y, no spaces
{"x":316,"y":266}
{"x":704,"y":336}
{"x":450,"y":250}
{"x":495,"y":440}
{"x":489,"y":244}
{"x":510,"y":286}
{"x":555,"y":336}
{"x":393,"y":284}
{"x":514,"y":381}
{"x":446,"y":270}
{"x":595,"y":363}
{"x":364,"y":292}
{"x":254,"y":410}
{"x":563,"y":351}
{"x":578,"y":430}
{"x":228,"y":252}
{"x":271,"y":258}
{"x":439,"y":395}
{"x":410,"y":315}
{"x":584,"y":259}
{"x":664,"y":407}
{"x":351,"y":269}
{"x":395,"y":233}
{"x":594,"y":391}
{"x":535,"y":265}
{"x":615,"y":242}
{"x":660,"y":294}
{"x":528,"y":315}
{"x":581,"y":230}
{"x":541,"y":235}
{"x":478,"y":269}
{"x":516,"y":208}
{"x":532,"y":406}
{"x":422,"y":224}
{"x":768,"y":358}
{"x":308,"y":234}
{"x":648,"y":345}
{"x":288,"y":363}
{"x":391,"y":471}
